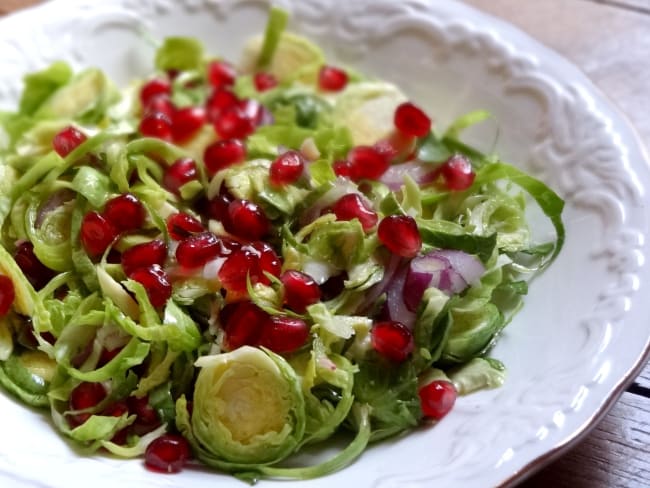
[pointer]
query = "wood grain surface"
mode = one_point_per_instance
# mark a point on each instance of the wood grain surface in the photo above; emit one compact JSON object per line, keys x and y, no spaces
{"x":610,"y":41}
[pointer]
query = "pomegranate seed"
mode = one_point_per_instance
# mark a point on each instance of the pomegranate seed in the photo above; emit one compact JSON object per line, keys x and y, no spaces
{"x":268,"y":262}
{"x":158,"y":125}
{"x":181,"y":225}
{"x":411,"y":120}
{"x":219,"y":101}
{"x":247,"y":220}
{"x":332,"y":79}
{"x":181,"y":172}
{"x":144,"y":255}
{"x":145,"y":413}
{"x":217,"y":208}
{"x":300,"y":290}
{"x":287,"y":168}
{"x":155,"y":282}
{"x":234,"y":123}
{"x":85,"y":395}
{"x":67,"y":141}
{"x":36,"y":272}
{"x":221,"y":74}
{"x":106,"y":356}
{"x":366,"y":163}
{"x":352,"y":206}
{"x":116,"y":409}
{"x":333,"y":286}
{"x":7,"y":295}
{"x":186,"y":122}
{"x":341,"y":168}
{"x":167,"y":454}
{"x":397,"y":147}
{"x":392,"y":340}
{"x":153,"y":89}
{"x":224,"y":153}
{"x":198,"y":249}
{"x":400,"y":234}
{"x":160,"y":104}
{"x":437,"y":398}
{"x":457,"y":173}
{"x":125,"y":212}
{"x":236,"y":268}
{"x":242,"y":323}
{"x":284,"y":334}
{"x":265,"y":81}
{"x":97,"y":233}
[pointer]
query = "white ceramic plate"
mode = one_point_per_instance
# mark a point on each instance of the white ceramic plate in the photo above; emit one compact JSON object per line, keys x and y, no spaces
{"x":584,"y":330}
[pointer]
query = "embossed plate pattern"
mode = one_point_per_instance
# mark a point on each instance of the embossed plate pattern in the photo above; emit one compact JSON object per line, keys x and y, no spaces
{"x":584,"y":329}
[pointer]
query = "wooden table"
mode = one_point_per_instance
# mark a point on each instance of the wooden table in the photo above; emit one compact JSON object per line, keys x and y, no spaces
{"x":610,"y":41}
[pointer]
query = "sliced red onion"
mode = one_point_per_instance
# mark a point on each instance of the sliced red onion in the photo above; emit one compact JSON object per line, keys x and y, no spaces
{"x":420,"y":172}
{"x":449,"y":270}
{"x":469,"y":267}
{"x":397,"y":309}
{"x":375,"y":291}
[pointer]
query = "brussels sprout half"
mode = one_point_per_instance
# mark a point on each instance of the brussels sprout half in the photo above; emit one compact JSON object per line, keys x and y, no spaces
{"x":248,"y":407}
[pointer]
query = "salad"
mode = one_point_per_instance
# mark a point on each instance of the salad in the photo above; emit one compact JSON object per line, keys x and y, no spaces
{"x":232,"y":263}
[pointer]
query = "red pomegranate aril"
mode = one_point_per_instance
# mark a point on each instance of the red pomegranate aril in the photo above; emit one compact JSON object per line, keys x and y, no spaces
{"x":160,"y":104}
{"x":145,"y":413}
{"x":156,"y":283}
{"x":264,"y":81}
{"x":167,"y":454}
{"x":125,"y":212}
{"x":224,"y":153}
{"x":116,"y":409}
{"x":107,"y":355}
{"x":36,"y":272}
{"x":333,"y":286}
{"x":247,"y":220}
{"x":182,"y":171}
{"x":287,"y":168}
{"x":437,"y":398}
{"x":7,"y":295}
{"x":284,"y":334}
{"x":300,"y":290}
{"x":367,"y":163}
{"x":235,"y":270}
{"x":156,"y":124}
{"x":219,"y":101}
{"x":242,"y":323}
{"x":341,"y":168}
{"x":217,"y":208}
{"x":331,"y":78}
{"x":84,"y":396}
{"x":410,"y":120}
{"x":268,"y":262}
{"x":154,"y":88}
{"x":457,"y":173}
{"x":186,"y":122}
{"x":97,"y":233}
{"x":144,"y":255}
{"x":392,"y":339}
{"x":234,"y":123}
{"x":400,"y":234}
{"x":352,"y":206}
{"x":67,"y":141}
{"x":255,"y":111}
{"x":181,"y":225}
{"x":198,"y":249}
{"x":221,"y":74}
